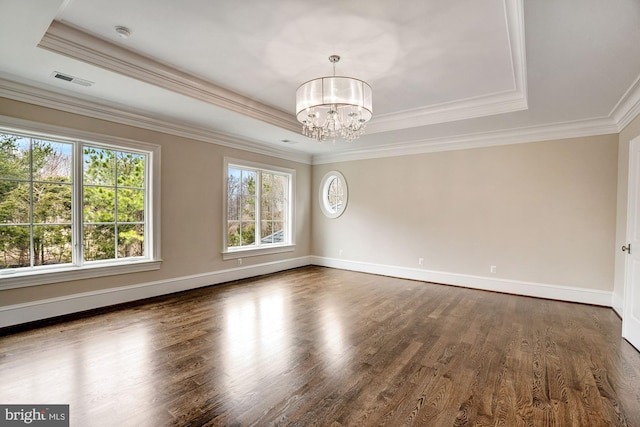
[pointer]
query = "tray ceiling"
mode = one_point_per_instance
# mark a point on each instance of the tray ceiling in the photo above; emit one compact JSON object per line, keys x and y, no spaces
{"x":442,"y":71}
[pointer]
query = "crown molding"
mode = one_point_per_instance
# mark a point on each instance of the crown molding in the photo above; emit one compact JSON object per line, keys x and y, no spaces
{"x":508,"y":101}
{"x":625,"y":111}
{"x":77,"y":44}
{"x":71,"y":42}
{"x":514,"y":17}
{"x":45,"y":98}
{"x":603,"y":126}
{"x":628,"y":107}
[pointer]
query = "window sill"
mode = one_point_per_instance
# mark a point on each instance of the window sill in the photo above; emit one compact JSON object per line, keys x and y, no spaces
{"x":12,"y":279}
{"x":242,"y":253}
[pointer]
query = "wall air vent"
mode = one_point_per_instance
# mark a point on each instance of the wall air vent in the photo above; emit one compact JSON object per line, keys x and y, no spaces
{"x":68,"y":78}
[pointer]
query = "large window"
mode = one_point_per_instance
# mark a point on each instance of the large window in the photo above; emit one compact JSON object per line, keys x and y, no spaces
{"x":258,"y":208}
{"x":67,"y":204}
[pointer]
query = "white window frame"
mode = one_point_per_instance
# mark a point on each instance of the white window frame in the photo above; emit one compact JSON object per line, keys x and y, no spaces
{"x":18,"y":278}
{"x":259,"y":249}
{"x":323,"y":194}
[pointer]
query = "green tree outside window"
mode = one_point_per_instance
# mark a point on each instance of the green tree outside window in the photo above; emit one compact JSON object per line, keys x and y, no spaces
{"x":36,"y":202}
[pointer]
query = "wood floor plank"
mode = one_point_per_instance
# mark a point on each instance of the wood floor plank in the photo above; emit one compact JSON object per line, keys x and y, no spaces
{"x":318,"y":346}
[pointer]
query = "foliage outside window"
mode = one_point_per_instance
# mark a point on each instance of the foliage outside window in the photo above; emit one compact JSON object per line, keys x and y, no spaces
{"x":113,"y":204}
{"x":35,"y":202}
{"x":258,"y":208}
{"x":42,"y":224}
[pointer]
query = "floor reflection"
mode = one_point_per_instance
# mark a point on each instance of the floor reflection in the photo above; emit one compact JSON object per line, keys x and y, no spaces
{"x":335,"y":349}
{"x":112,"y":373}
{"x":256,"y":342}
{"x":118,"y":368}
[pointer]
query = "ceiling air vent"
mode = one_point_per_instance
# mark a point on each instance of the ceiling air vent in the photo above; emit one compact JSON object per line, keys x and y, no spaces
{"x":68,"y":78}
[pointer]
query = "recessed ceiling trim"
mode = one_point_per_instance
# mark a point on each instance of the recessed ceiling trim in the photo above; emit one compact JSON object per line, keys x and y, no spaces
{"x":514,"y":16}
{"x":45,"y":98}
{"x":628,"y":107}
{"x":77,"y":44}
{"x":448,"y":112}
{"x":626,"y":110}
{"x":486,"y":105}
{"x":71,"y":42}
{"x":583,"y":128}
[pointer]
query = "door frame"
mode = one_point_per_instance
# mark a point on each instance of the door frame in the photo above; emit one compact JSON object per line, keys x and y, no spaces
{"x":632,"y":335}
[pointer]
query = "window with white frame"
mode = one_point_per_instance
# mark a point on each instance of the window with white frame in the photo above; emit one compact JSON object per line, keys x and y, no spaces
{"x":113,"y":203}
{"x":259,"y":206}
{"x":67,"y":205}
{"x":333,"y":194}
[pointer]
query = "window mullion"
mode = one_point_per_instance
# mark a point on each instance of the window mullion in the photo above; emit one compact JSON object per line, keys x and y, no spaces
{"x":258,"y":211}
{"x":288,"y":210}
{"x":77,"y":201}
{"x":32,"y":261}
{"x":115,"y":204}
{"x":148,"y":219}
{"x":243,"y":200}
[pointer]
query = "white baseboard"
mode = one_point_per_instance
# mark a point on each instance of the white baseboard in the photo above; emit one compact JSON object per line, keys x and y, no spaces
{"x":617,"y":304}
{"x":47,"y":308}
{"x":52,"y":307}
{"x":539,"y":290}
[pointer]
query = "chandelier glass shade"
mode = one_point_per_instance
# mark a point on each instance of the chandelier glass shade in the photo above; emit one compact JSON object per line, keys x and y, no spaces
{"x":334,"y":106}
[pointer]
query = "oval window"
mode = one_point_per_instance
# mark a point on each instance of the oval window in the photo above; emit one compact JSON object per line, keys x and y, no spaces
{"x":333,"y":194}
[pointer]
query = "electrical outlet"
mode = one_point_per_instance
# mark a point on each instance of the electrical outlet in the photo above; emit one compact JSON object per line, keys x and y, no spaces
{"x":340,"y":252}
{"x":420,"y":261}
{"x":239,"y":261}
{"x":493,"y":269}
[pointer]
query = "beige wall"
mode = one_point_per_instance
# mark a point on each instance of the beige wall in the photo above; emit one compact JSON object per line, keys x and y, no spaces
{"x":191,"y":205}
{"x":541,"y":212}
{"x":630,"y":132}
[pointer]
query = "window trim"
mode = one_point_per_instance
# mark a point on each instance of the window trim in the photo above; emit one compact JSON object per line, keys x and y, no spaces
{"x":247,"y":251}
{"x":323,"y":190}
{"x":11,"y":279}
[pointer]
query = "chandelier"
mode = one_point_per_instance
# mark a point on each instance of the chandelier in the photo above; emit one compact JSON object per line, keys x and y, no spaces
{"x":334,"y":106}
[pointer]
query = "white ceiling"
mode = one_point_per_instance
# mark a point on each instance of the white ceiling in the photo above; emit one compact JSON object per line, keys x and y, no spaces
{"x":445,"y":73}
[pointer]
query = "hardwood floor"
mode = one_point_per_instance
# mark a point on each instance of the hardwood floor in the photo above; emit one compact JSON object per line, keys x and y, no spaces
{"x":316,"y":346}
